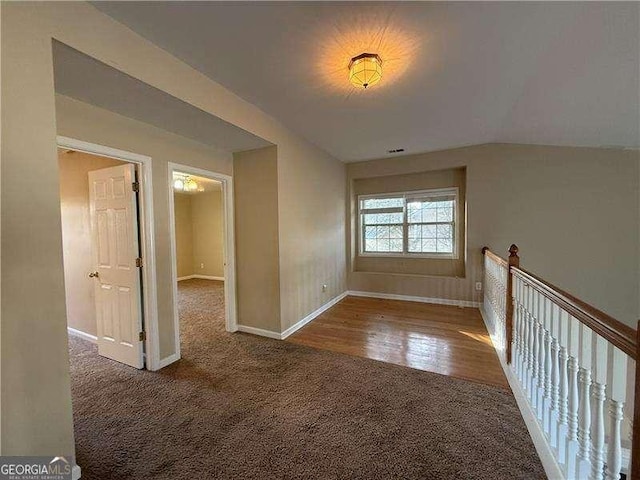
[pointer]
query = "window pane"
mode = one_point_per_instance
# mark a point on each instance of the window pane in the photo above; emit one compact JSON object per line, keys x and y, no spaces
{"x":445,"y":214}
{"x":415,"y":245}
{"x":429,"y":215}
{"x":428,"y":245}
{"x":383,"y":245}
{"x":370,"y":232}
{"x":395,"y":245}
{"x":383,"y":202}
{"x":444,"y":231}
{"x":382,"y":218}
{"x":370,"y":245}
{"x":445,"y":245}
{"x":395,"y":232}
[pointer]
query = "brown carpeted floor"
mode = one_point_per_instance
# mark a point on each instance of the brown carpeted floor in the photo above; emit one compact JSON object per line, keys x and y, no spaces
{"x":238,"y":406}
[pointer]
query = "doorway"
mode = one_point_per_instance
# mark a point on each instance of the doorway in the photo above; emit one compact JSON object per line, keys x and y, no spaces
{"x":202,"y":244}
{"x":106,"y":250}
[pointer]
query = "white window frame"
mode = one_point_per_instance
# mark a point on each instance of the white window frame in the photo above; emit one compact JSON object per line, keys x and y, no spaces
{"x":407,"y":196}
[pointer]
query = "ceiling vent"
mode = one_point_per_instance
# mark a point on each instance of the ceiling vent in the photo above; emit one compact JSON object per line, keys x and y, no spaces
{"x":396,"y":150}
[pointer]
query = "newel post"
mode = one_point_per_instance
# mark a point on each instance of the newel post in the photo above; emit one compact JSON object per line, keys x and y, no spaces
{"x":635,"y":439}
{"x":514,"y":261}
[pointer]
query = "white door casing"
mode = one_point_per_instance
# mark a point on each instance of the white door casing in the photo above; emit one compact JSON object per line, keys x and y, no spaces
{"x":114,"y":230}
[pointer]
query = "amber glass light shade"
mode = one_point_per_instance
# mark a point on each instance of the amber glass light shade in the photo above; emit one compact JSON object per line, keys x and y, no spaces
{"x":365,"y":70}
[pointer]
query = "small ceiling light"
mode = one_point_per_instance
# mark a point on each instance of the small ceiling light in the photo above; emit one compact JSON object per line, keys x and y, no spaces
{"x":191,"y":185}
{"x":365,"y":70}
{"x":178,"y":184}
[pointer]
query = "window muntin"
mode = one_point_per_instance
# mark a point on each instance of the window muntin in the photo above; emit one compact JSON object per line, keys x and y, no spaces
{"x":409,"y":223}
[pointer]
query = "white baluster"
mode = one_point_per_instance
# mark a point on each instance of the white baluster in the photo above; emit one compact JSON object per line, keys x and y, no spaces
{"x":542,"y":356}
{"x":536,"y":352}
{"x":600,"y":351}
{"x":574,"y":389}
{"x":546,"y":391}
{"x":522,"y":336}
{"x":584,"y":410}
{"x":617,"y":386}
{"x":554,"y":314}
{"x":515,"y":348}
{"x":597,"y":447}
{"x":563,"y":393}
{"x":526,"y":360}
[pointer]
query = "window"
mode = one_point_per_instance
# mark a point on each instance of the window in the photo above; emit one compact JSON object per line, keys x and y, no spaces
{"x":409,"y":223}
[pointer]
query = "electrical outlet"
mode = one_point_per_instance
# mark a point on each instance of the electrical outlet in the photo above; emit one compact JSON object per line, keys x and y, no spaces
{"x":202,"y":265}
{"x":324,"y":287}
{"x":478,"y":286}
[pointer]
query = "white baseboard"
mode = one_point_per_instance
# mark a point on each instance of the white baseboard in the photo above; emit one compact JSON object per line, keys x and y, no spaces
{"x":312,"y":315}
{"x":76,"y":473}
{"x":168,"y":360}
{"x":551,"y":466}
{"x":86,"y":336}
{"x":410,"y":298}
{"x":202,"y":277}
{"x":259,"y":331}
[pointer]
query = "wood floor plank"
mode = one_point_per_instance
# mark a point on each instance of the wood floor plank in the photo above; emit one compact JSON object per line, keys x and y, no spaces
{"x":437,"y":338}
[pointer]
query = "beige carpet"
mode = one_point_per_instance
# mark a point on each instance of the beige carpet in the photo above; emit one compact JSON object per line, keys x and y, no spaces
{"x":243,"y":407}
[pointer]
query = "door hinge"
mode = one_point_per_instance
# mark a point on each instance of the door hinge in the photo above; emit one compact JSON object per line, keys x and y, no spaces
{"x":135,"y":186}
{"x":139,"y":262}
{"x":142,"y":336}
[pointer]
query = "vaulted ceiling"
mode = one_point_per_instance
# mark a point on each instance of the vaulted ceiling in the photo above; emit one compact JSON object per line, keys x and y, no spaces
{"x":455,"y":73}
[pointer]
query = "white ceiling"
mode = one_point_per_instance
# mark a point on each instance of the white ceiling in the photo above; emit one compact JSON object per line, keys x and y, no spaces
{"x":455,"y":73}
{"x":86,"y":79}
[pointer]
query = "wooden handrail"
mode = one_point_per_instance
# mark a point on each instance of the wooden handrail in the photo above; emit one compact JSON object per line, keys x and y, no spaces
{"x":494,"y":257}
{"x":622,"y":336}
{"x":612,"y":330}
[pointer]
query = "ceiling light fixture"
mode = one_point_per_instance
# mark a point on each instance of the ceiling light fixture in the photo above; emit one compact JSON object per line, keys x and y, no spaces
{"x":185,"y":184}
{"x":365,"y":70}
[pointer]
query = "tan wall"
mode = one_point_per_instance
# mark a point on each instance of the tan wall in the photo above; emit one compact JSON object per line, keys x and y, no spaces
{"x":76,"y":236}
{"x":572,"y":211}
{"x":199,"y":234}
{"x":311,"y":199}
{"x":208,"y":233}
{"x":36,"y":402}
{"x":255,"y":182}
{"x":184,"y":234}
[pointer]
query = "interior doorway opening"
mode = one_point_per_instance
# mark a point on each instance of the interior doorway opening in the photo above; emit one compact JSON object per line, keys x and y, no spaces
{"x":104,"y":203}
{"x":201,"y":210}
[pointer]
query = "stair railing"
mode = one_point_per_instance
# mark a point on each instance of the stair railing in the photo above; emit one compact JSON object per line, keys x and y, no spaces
{"x":575,"y":365}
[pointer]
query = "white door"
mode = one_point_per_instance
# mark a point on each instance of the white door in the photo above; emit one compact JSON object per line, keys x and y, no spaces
{"x":114,"y":229}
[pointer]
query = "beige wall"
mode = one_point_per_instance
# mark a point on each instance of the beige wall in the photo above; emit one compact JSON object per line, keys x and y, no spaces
{"x":184,"y":234}
{"x":35,"y":397}
{"x":76,"y":236}
{"x":208,"y":233}
{"x":199,"y":234}
{"x":572,"y":211}
{"x":311,"y":214}
{"x":255,"y":183}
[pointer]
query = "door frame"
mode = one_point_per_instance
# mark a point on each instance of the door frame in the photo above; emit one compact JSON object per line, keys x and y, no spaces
{"x":230,"y":305}
{"x":147,"y":244}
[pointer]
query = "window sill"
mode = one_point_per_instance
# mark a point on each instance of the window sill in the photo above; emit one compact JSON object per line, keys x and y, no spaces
{"x":410,"y":256}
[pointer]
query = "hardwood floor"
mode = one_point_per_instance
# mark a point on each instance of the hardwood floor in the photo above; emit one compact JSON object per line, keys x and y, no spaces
{"x":437,"y":338}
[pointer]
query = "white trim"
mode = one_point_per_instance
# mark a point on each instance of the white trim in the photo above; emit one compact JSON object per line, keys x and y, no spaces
{"x":76,"y":473}
{"x":81,"y":334}
{"x":146,"y":222}
{"x":229,"y":248}
{"x":312,"y":315}
{"x":551,"y":466}
{"x":409,"y":298}
{"x":187,"y":277}
{"x":168,"y":360}
{"x":259,"y":331}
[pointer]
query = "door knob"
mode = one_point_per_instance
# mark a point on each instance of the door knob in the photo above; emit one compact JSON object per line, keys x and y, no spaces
{"x":94,"y":274}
